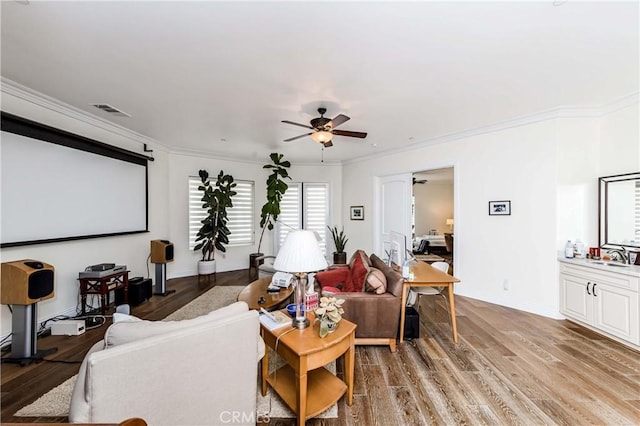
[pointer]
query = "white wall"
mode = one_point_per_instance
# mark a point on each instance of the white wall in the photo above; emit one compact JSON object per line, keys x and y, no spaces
{"x":236,"y":257}
{"x":548,"y":169}
{"x":71,"y":257}
{"x":434,"y":205}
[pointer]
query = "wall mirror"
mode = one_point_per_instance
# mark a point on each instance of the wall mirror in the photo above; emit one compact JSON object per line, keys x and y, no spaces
{"x":619,"y":214}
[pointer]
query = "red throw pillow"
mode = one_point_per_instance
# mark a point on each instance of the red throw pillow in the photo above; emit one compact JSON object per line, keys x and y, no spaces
{"x":333,"y":277}
{"x":359,"y":272}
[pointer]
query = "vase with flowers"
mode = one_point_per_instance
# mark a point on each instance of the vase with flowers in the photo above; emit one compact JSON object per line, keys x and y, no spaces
{"x":329,"y":313}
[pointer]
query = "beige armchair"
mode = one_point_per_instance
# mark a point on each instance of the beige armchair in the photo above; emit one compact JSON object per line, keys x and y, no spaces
{"x":193,"y":372}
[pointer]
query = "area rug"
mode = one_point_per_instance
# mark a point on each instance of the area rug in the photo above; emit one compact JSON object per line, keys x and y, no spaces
{"x":55,"y":403}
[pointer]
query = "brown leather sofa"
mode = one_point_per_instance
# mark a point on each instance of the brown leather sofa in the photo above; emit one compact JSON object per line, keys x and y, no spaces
{"x":376,"y":315}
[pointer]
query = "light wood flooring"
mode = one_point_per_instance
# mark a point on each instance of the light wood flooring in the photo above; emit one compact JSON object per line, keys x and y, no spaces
{"x":509,"y":367}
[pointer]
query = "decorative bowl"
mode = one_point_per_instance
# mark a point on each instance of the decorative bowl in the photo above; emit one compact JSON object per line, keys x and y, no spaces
{"x":291,"y":308}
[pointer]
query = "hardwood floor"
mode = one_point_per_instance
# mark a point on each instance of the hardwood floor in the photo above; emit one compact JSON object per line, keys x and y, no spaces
{"x":509,"y":367}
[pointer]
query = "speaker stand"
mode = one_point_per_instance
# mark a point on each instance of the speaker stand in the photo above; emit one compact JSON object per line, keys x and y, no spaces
{"x":24,"y":338}
{"x":161,"y":281}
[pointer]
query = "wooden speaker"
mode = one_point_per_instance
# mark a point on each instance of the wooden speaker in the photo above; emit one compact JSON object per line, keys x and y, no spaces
{"x":25,"y":282}
{"x":161,"y":251}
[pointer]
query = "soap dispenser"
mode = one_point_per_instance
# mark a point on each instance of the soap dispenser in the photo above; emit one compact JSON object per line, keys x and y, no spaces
{"x":568,"y":250}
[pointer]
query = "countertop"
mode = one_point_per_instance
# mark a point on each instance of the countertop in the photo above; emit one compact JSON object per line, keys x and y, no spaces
{"x":633,"y":270}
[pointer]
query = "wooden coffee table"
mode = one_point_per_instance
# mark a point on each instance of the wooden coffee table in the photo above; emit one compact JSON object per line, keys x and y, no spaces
{"x":304,"y":384}
{"x":257,"y":289}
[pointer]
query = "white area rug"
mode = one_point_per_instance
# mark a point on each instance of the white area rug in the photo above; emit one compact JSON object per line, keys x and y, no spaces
{"x":55,"y":403}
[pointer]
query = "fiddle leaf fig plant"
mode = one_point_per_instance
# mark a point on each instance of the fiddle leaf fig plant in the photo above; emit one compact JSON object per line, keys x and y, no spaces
{"x":276,"y":187}
{"x":214,"y":233}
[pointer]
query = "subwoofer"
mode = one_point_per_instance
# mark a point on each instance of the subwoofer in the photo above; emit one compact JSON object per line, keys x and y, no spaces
{"x":25,"y":282}
{"x":161,"y":251}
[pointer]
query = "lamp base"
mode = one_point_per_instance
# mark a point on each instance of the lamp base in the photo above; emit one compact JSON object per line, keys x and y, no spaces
{"x":300,"y":323}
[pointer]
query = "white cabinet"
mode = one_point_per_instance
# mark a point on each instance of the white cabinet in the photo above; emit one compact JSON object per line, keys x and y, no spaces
{"x":605,"y":301}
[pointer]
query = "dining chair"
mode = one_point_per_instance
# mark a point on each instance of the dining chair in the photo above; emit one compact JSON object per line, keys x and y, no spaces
{"x":416,"y":292}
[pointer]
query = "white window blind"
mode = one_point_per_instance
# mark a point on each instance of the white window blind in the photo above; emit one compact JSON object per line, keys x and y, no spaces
{"x":241,"y":219}
{"x":304,"y":206}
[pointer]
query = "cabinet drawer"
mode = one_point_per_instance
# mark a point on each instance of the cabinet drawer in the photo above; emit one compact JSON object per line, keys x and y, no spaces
{"x":591,"y":274}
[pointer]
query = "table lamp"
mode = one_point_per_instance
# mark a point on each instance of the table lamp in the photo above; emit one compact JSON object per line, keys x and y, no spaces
{"x":450,"y":223}
{"x":300,"y":255}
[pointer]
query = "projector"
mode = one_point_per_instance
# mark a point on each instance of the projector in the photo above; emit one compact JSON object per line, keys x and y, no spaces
{"x":68,"y":328}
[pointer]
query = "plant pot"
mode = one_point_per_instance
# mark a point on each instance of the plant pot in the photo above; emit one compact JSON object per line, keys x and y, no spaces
{"x":253,"y":260}
{"x":206,"y":267}
{"x":327,"y":326}
{"x":340,"y":258}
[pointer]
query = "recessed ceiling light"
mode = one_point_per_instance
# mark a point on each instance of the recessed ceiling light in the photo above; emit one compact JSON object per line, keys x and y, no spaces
{"x":223,"y":140}
{"x":374,"y":145}
{"x":411,"y":138}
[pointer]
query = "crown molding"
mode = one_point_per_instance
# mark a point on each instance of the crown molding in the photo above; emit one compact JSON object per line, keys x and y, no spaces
{"x":226,"y":157}
{"x":575,"y":111}
{"x":19,"y":91}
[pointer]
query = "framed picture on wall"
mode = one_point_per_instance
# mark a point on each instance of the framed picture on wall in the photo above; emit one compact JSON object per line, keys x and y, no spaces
{"x":357,"y":212}
{"x":499,"y":208}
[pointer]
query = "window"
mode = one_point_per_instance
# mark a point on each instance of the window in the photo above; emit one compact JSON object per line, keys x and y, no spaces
{"x":241,"y":221}
{"x":304,"y":205}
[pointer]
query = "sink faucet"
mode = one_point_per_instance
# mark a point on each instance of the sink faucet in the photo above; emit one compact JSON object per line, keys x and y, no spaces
{"x":622,"y":252}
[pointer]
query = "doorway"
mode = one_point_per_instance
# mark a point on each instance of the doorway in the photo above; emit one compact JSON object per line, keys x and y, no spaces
{"x":433,"y":212}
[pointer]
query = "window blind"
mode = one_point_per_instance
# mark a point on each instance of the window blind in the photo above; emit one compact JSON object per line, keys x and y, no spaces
{"x":241,"y":215}
{"x":304,"y":206}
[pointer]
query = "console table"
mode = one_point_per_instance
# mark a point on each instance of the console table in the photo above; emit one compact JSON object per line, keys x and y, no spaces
{"x":103,"y":286}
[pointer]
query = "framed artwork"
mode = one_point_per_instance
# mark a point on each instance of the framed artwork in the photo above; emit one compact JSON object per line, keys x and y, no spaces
{"x":500,"y":208}
{"x":357,"y":212}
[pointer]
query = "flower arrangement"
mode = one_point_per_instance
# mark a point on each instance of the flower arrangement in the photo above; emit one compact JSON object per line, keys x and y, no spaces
{"x":330,"y":309}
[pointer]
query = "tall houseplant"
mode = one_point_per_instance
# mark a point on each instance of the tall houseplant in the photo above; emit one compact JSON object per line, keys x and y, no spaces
{"x":339,"y":242}
{"x":276,"y":187}
{"x":214,"y":233}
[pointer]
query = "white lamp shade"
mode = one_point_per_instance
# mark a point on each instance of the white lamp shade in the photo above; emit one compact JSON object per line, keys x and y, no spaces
{"x":449,"y":221}
{"x":300,"y":253}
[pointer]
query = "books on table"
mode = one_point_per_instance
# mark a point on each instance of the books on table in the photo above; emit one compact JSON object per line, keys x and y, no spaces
{"x":274,"y":320}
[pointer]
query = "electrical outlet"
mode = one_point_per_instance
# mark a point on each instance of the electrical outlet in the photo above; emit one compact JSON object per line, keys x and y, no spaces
{"x":505,"y":284}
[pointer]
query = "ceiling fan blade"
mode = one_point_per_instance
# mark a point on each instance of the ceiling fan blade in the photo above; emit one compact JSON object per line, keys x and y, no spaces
{"x":328,"y":144}
{"x":297,"y":137}
{"x":340,"y":118}
{"x":349,"y":133}
{"x":297,"y":124}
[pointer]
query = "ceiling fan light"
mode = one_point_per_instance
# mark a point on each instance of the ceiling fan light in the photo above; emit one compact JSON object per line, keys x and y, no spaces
{"x":321,"y":136}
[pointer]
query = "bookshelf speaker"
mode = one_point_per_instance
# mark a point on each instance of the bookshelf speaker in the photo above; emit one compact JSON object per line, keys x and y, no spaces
{"x":161,"y":251}
{"x":25,"y":282}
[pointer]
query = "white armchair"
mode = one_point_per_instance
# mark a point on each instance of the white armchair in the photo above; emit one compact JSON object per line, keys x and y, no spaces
{"x":197,"y":372}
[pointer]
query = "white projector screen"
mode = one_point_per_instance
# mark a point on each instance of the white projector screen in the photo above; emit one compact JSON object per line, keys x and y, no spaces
{"x":57,"y":186}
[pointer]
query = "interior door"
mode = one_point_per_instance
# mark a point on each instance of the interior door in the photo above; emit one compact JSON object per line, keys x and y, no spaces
{"x":393,"y":204}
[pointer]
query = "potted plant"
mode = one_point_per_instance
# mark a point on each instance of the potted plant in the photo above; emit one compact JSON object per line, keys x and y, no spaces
{"x":214,"y":233}
{"x":276,"y":187}
{"x":329,"y":313}
{"x":339,"y":242}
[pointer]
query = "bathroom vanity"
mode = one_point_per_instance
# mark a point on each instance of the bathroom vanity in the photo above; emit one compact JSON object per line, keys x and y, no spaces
{"x":602,"y":296}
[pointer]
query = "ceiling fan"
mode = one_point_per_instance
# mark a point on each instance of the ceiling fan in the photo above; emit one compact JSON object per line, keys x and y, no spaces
{"x":325,"y":128}
{"x":419,"y":181}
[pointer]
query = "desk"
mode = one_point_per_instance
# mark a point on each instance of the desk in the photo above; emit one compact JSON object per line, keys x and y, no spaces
{"x":303,"y":384}
{"x":429,"y":258}
{"x":428,"y":276}
{"x":103,"y":286}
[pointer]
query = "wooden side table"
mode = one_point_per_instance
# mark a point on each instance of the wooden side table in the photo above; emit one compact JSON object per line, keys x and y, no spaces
{"x":103,"y":286}
{"x":304,"y":384}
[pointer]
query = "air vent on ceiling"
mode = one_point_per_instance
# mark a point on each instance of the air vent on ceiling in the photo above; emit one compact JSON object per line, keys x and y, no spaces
{"x":111,"y":110}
